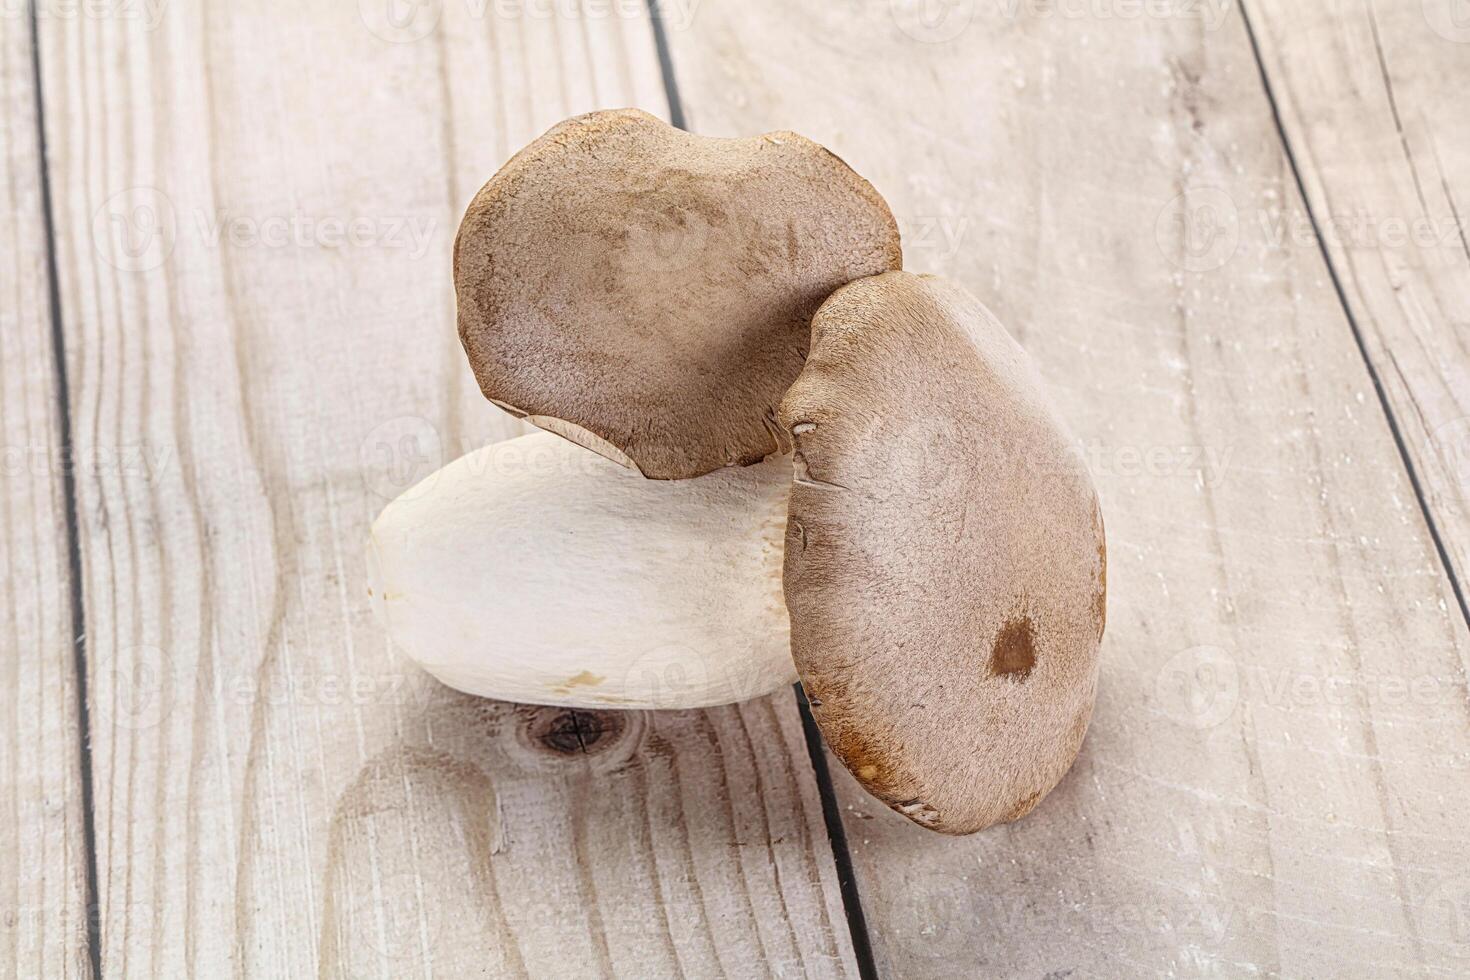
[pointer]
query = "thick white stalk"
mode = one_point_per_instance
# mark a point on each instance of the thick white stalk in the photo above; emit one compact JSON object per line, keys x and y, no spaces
{"x":537,"y":571}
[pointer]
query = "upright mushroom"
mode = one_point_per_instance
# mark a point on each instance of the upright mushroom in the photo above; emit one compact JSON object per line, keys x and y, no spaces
{"x":648,"y":293}
{"x":945,"y":568}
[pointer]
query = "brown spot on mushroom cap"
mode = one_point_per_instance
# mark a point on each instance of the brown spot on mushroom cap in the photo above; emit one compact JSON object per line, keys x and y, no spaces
{"x":945,"y":602}
{"x":1014,"y":652}
{"x":648,"y":293}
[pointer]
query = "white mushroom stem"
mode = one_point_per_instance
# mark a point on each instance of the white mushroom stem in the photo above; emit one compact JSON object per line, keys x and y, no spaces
{"x":537,"y":571}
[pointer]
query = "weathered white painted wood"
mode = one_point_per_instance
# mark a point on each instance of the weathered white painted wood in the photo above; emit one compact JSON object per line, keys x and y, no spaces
{"x":1276,"y":778}
{"x":256,"y":204}
{"x":43,"y":918}
{"x":1372,"y":100}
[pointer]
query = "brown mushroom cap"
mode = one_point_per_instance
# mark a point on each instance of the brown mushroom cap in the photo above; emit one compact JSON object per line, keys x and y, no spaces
{"x":945,"y":566}
{"x":648,"y":293}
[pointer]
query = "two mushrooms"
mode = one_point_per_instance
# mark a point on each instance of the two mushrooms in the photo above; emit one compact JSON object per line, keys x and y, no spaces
{"x":770,"y":454}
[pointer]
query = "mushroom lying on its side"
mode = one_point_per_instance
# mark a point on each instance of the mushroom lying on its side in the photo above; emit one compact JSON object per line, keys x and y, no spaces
{"x":537,"y":571}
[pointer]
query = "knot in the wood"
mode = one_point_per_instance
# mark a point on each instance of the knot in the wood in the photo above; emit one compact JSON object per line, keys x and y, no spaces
{"x":572,"y":731}
{"x":548,"y":739}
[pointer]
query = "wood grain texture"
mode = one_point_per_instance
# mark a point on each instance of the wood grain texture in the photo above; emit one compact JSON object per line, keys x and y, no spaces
{"x":43,"y":918}
{"x":1371,"y":102}
{"x":1275,"y":780}
{"x":255,"y":205}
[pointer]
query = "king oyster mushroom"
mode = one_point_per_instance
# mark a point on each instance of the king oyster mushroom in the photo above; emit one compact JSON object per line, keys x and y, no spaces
{"x":648,"y":293}
{"x":945,"y":562}
{"x":536,"y":571}
{"x":944,"y":565}
{"x":940,"y":583}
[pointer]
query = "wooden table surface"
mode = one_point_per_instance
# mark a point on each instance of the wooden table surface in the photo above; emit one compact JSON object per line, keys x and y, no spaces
{"x":1229,"y":232}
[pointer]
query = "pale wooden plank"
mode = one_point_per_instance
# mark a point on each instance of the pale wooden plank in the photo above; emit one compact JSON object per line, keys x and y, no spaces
{"x":1371,"y":102}
{"x":43,"y":916}
{"x":294,"y":798}
{"x":1264,"y":791}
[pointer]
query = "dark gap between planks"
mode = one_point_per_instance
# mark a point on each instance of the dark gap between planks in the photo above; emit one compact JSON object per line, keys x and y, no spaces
{"x":73,"y":535}
{"x":852,"y":904}
{"x":1357,"y":332}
